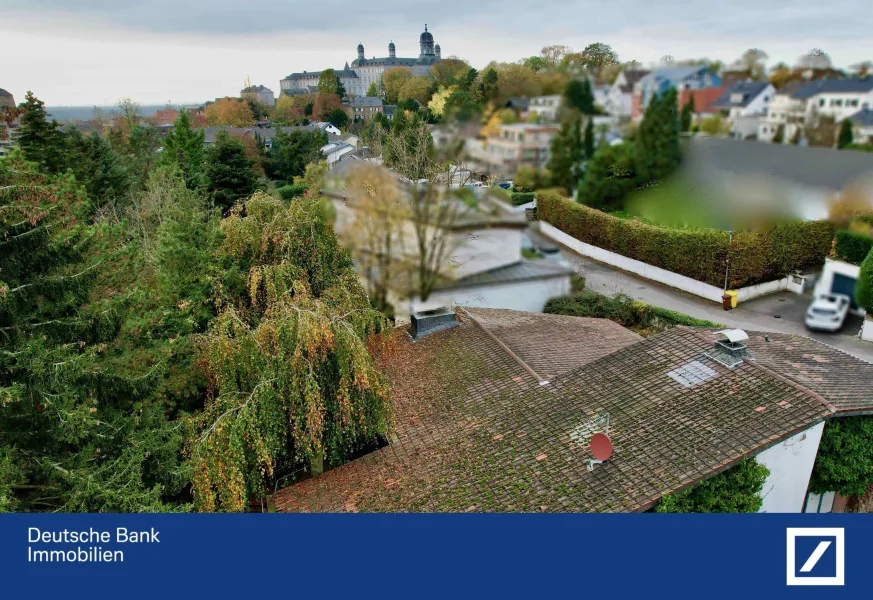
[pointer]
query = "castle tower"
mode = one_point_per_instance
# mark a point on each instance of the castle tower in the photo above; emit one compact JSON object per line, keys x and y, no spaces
{"x":437,"y":49}
{"x":391,"y":50}
{"x":360,"y":51}
{"x":425,"y":41}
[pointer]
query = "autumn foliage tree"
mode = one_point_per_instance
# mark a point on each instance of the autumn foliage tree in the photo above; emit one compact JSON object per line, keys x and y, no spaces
{"x":394,"y":80}
{"x":326,"y":104}
{"x":290,"y":374}
{"x":231,"y":112}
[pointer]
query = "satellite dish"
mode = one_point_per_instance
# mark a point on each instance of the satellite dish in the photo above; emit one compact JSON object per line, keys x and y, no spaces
{"x":601,"y":446}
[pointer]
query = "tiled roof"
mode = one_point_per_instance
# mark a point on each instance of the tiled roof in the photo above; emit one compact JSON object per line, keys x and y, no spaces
{"x":476,"y":431}
{"x":366,"y":101}
{"x":634,"y":75}
{"x":747,"y":90}
{"x":863,"y":118}
{"x":843,"y":380}
{"x":703,"y":98}
{"x":553,"y":344}
{"x":834,"y":86}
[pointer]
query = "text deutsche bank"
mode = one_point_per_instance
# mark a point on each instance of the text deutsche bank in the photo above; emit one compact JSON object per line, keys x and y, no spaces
{"x":55,"y":546}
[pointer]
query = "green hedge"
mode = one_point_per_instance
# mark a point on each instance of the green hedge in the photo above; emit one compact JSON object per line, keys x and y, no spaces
{"x":700,"y":254}
{"x":288,"y":192}
{"x":864,"y":287}
{"x":853,"y":247}
{"x":519,"y":198}
{"x":624,"y":310}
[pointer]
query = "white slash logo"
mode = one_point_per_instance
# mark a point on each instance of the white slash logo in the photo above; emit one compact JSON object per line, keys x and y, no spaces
{"x":832,"y":563}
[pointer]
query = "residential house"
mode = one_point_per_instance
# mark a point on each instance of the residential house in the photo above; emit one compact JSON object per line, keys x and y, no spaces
{"x":363,"y":108}
{"x":837,"y":98}
{"x":862,"y":124}
{"x":334,"y":151}
{"x":744,"y":104}
{"x":661,"y":80}
{"x":265,"y":134}
{"x":785,"y":111}
{"x":516,"y":145}
{"x":545,"y":107}
{"x":164,"y":117}
{"x":601,"y":94}
{"x":259,"y":94}
{"x":802,"y":103}
{"x":702,"y":98}
{"x":619,"y":100}
{"x":328,"y":128}
{"x":505,"y":403}
{"x":485,"y":266}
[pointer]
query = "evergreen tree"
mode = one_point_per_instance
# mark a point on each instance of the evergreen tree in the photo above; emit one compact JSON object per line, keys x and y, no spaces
{"x":99,"y":168}
{"x":229,"y":172}
{"x":291,"y":152}
{"x":609,"y":177}
{"x":846,"y":137}
{"x":657,"y":145}
{"x":338,"y":117}
{"x":779,"y":137}
{"x":73,"y":434}
{"x":42,"y":141}
{"x":144,"y":143}
{"x":687,"y":115}
{"x":184,"y":147}
{"x":580,"y":96}
{"x":567,"y":152}
{"x":588,"y":142}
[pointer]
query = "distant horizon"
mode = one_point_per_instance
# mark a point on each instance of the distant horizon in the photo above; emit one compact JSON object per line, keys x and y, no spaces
{"x":92,"y":52}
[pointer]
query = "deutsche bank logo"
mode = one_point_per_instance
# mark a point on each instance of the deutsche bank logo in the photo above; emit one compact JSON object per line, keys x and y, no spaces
{"x":816,"y":556}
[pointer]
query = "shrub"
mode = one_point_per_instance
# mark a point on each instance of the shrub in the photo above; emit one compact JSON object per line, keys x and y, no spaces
{"x":853,"y":247}
{"x":844,"y":462}
{"x":736,"y":490}
{"x":624,"y":310}
{"x":700,"y":254}
{"x":860,"y":147}
{"x":519,"y":198}
{"x":288,"y":192}
{"x":864,"y":287}
{"x":609,"y":177}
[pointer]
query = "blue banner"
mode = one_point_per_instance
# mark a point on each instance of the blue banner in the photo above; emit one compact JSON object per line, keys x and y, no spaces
{"x":445,"y":556}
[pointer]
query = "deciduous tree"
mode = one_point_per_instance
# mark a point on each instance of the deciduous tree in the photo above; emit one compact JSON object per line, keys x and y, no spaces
{"x":324,"y":105}
{"x":393,"y":81}
{"x":418,"y":89}
{"x":231,"y":112}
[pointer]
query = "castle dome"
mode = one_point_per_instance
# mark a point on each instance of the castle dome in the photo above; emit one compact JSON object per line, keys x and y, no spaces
{"x":426,"y":37}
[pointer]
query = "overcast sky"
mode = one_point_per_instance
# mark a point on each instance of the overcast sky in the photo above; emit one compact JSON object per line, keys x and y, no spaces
{"x":86,"y":52}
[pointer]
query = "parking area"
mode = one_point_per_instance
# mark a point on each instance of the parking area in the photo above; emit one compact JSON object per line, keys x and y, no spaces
{"x":782,"y":312}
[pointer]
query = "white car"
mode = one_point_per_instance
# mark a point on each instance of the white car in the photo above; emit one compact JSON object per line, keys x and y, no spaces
{"x":828,"y":312}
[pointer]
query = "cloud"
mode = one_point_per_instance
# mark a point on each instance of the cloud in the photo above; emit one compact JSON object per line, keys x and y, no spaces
{"x":93,"y":51}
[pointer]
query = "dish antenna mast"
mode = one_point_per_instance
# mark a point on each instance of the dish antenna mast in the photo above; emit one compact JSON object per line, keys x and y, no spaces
{"x":600,"y":444}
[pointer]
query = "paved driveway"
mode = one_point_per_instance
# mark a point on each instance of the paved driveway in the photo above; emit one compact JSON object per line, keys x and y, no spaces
{"x":782,"y":312}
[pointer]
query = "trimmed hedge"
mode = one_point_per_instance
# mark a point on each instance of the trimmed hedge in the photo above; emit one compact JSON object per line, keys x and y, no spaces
{"x":289,"y":192}
{"x":624,"y":310}
{"x":864,"y":287}
{"x":701,"y":254}
{"x":519,"y":198}
{"x":853,"y":247}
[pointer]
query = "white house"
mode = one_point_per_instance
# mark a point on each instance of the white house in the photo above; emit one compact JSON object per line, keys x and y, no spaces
{"x":601,"y":95}
{"x":619,"y":98}
{"x":328,"y":128}
{"x":334,"y":151}
{"x":545,"y":107}
{"x":744,"y":104}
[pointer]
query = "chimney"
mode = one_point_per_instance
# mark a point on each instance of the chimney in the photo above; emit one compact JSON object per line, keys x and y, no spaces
{"x":730,"y":351}
{"x":426,"y":322}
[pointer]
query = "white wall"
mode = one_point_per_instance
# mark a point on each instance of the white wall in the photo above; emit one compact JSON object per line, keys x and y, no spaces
{"x":790,"y":463}
{"x":529,"y":296}
{"x":680,"y":282}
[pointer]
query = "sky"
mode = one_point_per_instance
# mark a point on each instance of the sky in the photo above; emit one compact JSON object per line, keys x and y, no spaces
{"x":92,"y":52}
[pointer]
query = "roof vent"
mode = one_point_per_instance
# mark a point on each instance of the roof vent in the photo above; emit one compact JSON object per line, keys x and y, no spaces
{"x":430,"y":321}
{"x":729,"y":352}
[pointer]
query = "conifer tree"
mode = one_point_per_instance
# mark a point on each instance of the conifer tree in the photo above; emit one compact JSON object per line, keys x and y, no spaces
{"x":42,"y":141}
{"x":687,"y":114}
{"x":845,"y":137}
{"x":588,"y":142}
{"x":580,"y":96}
{"x":230,"y":173}
{"x":567,"y":152}
{"x":99,"y":168}
{"x":184,"y":146}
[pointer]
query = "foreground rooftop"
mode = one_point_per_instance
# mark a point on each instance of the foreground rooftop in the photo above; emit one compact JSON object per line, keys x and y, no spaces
{"x":496,"y":414}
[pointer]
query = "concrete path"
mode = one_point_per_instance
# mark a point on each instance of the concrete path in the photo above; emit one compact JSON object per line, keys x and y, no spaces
{"x":782,"y":312}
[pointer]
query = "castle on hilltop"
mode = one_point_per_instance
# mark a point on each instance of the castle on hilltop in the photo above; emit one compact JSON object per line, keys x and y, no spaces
{"x":357,"y":77}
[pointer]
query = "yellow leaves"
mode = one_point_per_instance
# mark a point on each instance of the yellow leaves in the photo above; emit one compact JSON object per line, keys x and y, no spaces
{"x":229,"y":111}
{"x":437,"y":104}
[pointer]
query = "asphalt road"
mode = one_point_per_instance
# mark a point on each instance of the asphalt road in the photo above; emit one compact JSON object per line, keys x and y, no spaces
{"x":782,"y":312}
